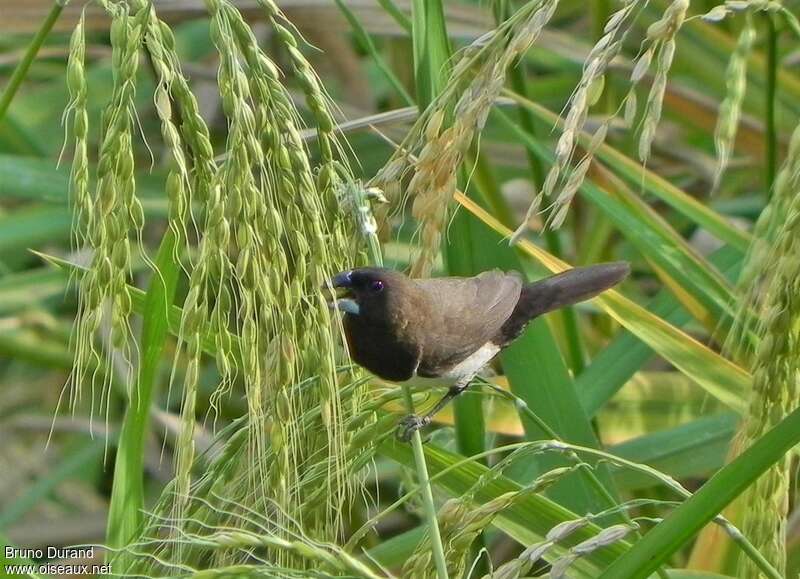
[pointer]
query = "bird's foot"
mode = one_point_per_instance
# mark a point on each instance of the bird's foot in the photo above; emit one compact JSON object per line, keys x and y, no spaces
{"x":409,"y":425}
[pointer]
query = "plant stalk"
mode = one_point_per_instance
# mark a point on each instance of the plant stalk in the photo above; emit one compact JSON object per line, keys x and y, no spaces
{"x":431,"y":51}
{"x":397,"y":15}
{"x":30,"y":54}
{"x":427,"y":493}
{"x":365,"y":221}
{"x":771,"y":132}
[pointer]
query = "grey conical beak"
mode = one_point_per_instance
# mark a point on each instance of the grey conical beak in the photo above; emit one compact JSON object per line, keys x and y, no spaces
{"x":344,"y":304}
{"x":343,"y":279}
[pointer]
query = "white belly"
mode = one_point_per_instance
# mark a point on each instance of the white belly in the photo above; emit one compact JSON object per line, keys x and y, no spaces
{"x":466,"y":369}
{"x":473,"y":364}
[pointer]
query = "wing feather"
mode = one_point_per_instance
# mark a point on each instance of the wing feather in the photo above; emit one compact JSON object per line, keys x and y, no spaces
{"x":465,"y":314}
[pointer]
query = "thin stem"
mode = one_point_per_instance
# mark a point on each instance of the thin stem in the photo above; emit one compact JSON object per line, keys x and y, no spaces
{"x":27,"y":59}
{"x":601,"y":10}
{"x":431,"y":51}
{"x":771,"y":161}
{"x":365,"y":219}
{"x":427,"y":493}
{"x":363,"y":36}
{"x":397,"y":14}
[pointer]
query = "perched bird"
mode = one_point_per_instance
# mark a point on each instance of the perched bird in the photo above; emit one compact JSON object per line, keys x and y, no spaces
{"x":449,"y":328}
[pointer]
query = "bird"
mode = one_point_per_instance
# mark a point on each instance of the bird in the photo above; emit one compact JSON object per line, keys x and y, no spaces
{"x":447,"y":329}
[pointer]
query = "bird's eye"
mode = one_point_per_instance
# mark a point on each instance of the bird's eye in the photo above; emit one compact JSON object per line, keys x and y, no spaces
{"x":376,"y":286}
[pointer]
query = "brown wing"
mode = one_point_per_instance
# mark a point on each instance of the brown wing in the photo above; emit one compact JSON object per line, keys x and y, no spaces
{"x":465,"y":313}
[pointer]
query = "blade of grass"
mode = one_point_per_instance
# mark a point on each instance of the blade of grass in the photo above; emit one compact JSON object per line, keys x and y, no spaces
{"x":35,"y":225}
{"x":20,"y":291}
{"x":660,"y":543}
{"x":394,"y":551}
{"x":431,"y":49}
{"x":691,"y":450}
{"x":127,"y":495}
{"x":88,"y":452}
{"x":41,"y":180}
{"x":398,"y":15}
{"x":684,"y":574}
{"x":626,"y":354}
{"x":33,"y":348}
{"x":17,"y":138}
{"x":32,"y":227}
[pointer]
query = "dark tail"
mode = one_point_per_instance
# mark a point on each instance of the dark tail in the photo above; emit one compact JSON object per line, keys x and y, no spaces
{"x":564,"y":289}
{"x":571,"y":287}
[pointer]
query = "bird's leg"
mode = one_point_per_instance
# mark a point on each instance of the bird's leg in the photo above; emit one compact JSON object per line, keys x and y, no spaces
{"x":411,"y":423}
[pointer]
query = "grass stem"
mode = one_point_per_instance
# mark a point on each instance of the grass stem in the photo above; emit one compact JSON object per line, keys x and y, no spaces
{"x":437,"y":549}
{"x":771,"y":136}
{"x":363,"y":36}
{"x":397,"y":15}
{"x":427,"y":494}
{"x":27,"y":59}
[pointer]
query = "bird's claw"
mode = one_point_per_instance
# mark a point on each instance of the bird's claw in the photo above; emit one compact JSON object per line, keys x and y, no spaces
{"x":409,"y":425}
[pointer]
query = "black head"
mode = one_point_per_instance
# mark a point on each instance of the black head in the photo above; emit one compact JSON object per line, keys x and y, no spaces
{"x":370,"y":292}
